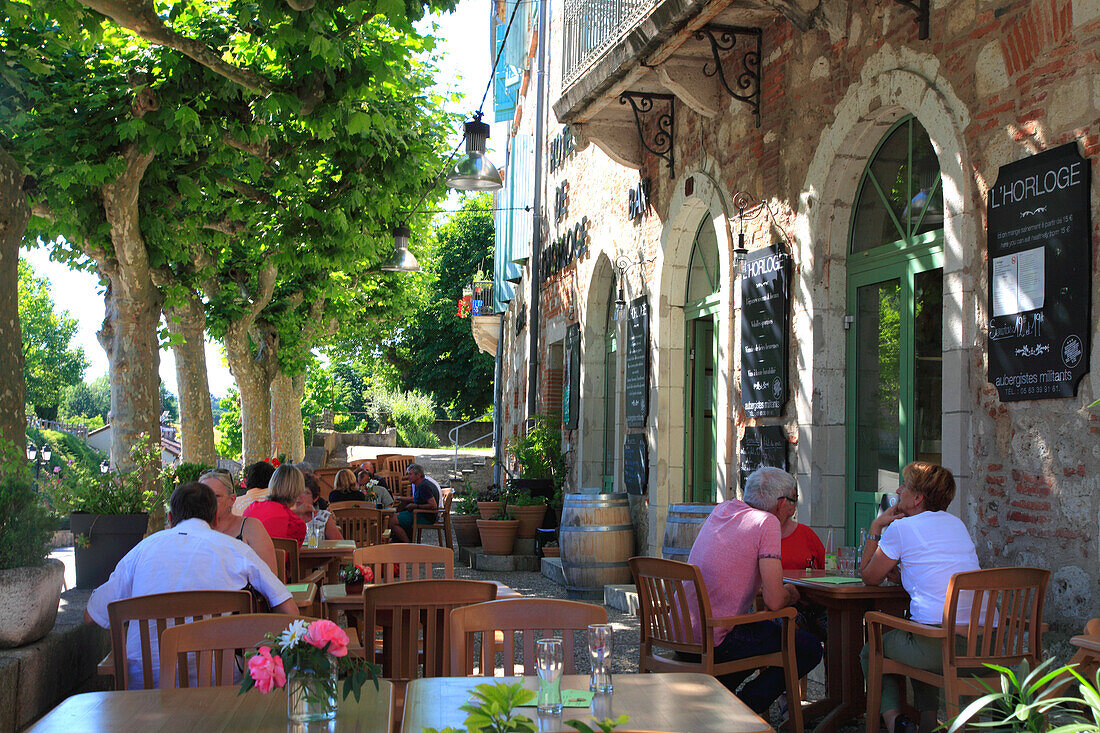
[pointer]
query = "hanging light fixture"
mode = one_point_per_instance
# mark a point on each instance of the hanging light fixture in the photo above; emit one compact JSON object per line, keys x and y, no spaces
{"x":402,"y":259}
{"x":740,"y":252}
{"x":474,"y":171}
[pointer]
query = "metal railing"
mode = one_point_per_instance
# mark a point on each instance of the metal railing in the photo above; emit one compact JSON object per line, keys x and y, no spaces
{"x":452,"y":434}
{"x":58,"y":425}
{"x":591,"y":26}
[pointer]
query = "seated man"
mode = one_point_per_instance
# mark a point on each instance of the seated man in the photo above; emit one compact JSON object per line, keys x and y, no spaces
{"x":425,"y":495}
{"x":738,"y":553}
{"x":371,"y":484}
{"x":189,"y":556}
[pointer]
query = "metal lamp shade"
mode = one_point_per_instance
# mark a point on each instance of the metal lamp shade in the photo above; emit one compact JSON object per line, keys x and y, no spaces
{"x":402,"y":259}
{"x":474,"y":171}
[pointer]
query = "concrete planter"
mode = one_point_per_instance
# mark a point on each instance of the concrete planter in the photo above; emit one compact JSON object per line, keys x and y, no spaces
{"x":498,"y":536}
{"x":108,"y":538}
{"x":465,"y":527}
{"x":28,"y":602}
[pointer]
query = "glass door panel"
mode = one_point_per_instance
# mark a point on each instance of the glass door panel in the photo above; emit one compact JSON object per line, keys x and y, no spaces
{"x":609,"y":408}
{"x":928,"y":365}
{"x":703,"y":425}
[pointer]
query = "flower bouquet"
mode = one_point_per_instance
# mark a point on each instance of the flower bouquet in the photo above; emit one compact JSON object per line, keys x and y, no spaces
{"x":307,"y":659}
{"x":354,"y":576}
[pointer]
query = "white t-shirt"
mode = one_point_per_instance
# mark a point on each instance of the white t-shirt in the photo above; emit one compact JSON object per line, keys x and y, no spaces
{"x":190,"y":556}
{"x":930,"y":547}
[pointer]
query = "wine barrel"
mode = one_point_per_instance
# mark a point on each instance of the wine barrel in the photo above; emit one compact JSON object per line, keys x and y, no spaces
{"x":682,"y":527}
{"x":596,"y":540}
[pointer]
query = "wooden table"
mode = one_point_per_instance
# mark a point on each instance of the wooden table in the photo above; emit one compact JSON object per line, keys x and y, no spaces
{"x":845,"y":692}
{"x":680,"y":702}
{"x":207,"y":709}
{"x":329,"y":552}
{"x":305,"y":597}
{"x":334,"y":599}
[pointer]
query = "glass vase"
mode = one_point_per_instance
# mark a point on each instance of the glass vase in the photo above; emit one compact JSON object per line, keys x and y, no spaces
{"x":310,"y":695}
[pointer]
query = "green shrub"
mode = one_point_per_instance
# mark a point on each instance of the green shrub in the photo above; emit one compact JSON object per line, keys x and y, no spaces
{"x":539,"y":452}
{"x":141,"y":490}
{"x":183,"y":473}
{"x":25,"y":522}
{"x":412,"y":413}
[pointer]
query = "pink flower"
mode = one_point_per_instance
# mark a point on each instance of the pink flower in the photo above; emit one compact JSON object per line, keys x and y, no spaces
{"x":57,"y":469}
{"x":267,"y":670}
{"x":324,"y":632}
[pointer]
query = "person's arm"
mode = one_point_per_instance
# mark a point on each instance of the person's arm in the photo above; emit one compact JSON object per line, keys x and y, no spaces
{"x":875,"y":565}
{"x":256,"y":536}
{"x":776,"y":594}
{"x":289,"y":607}
{"x":332,"y":532}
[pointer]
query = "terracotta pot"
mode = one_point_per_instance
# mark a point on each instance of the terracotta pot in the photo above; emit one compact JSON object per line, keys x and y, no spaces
{"x":551,"y":551}
{"x":353,"y":589}
{"x":498,"y":536}
{"x":29,"y":597}
{"x":488,"y":508}
{"x":465,"y":527}
{"x":530,"y":517}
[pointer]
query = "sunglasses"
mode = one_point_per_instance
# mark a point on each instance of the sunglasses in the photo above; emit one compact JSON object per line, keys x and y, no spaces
{"x":791,"y":499}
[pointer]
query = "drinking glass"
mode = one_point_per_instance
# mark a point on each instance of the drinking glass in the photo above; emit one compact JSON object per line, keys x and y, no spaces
{"x":847,"y":561}
{"x":599,"y":653}
{"x":550,"y":664}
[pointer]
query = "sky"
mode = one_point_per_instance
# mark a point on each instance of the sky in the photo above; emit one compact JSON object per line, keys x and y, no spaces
{"x":463,"y":34}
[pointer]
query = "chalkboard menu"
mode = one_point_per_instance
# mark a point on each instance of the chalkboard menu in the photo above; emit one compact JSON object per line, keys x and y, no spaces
{"x":1040,"y":265}
{"x":571,"y":384}
{"x":765,"y":292}
{"x":765,"y":445}
{"x":635,"y":463}
{"x":637,"y":363}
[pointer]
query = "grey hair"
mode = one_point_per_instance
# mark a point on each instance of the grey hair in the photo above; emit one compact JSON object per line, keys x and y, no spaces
{"x":766,"y":486}
{"x":221,"y":477}
{"x":416,"y":468}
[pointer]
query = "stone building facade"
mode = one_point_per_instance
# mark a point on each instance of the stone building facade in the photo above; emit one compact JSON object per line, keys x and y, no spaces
{"x":848,"y":91}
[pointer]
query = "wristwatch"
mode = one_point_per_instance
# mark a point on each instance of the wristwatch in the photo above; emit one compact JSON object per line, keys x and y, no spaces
{"x":875,"y":537}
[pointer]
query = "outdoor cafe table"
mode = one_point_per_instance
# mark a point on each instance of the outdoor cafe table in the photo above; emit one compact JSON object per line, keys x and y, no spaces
{"x":335,"y":599}
{"x":208,"y":709}
{"x":328,"y":552}
{"x":845,"y":603}
{"x":680,"y":702}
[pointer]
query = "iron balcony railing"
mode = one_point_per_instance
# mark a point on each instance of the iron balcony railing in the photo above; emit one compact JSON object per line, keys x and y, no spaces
{"x":591,"y":26}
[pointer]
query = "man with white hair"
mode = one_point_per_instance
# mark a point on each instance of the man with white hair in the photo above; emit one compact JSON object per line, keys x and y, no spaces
{"x":738,"y":553}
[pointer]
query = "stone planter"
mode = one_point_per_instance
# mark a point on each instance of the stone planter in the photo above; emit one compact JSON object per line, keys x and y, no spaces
{"x":28,"y":602}
{"x":488,"y":508}
{"x":530,"y":518}
{"x":465,"y":527}
{"x":498,"y":536}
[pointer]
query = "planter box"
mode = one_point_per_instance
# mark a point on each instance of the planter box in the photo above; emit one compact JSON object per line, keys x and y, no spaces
{"x":110,"y":537}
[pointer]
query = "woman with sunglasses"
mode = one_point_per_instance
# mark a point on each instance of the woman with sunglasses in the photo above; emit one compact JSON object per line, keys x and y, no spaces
{"x":249,"y":531}
{"x":801,"y":547}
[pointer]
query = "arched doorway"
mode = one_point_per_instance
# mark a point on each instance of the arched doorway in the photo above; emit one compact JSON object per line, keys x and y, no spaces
{"x":702,"y":305}
{"x":599,"y":376}
{"x":610,"y":403}
{"x":894,"y":319}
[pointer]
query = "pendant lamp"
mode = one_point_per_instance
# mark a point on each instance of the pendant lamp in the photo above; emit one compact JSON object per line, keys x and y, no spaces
{"x":474,"y":171}
{"x":402,"y":260}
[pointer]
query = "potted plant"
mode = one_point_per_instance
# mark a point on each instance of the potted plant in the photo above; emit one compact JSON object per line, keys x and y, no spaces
{"x":529,"y":510}
{"x":354,"y":576}
{"x":110,"y":513}
{"x":539,"y":458}
{"x":465,"y":516}
{"x":498,"y":535}
{"x":30,"y":582}
{"x":489,"y":501}
{"x":551,"y":549}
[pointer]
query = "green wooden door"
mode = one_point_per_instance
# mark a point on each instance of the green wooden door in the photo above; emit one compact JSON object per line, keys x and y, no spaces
{"x":703,"y":423}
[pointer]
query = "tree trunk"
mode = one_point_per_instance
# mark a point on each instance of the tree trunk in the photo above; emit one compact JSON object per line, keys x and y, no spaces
{"x":286,"y":416}
{"x":188,"y":321}
{"x":14,"y":214}
{"x":250,"y":369}
{"x":132,"y":315}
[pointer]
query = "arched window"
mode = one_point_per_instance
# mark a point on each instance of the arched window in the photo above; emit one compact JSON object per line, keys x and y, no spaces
{"x":703,"y":264}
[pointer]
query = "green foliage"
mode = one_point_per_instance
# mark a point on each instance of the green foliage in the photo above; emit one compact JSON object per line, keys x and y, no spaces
{"x":169,"y":404}
{"x":538,"y":453}
{"x":604,"y":726}
{"x":412,"y":413}
{"x":49,"y":364}
{"x":142,"y":490}
{"x":465,"y":499}
{"x":1033,"y":702}
{"x":66,"y":450}
{"x":522,"y":497}
{"x":490,"y":710}
{"x":25,"y":521}
{"x":227,"y":432}
{"x":87,"y":400}
{"x":184,"y":472}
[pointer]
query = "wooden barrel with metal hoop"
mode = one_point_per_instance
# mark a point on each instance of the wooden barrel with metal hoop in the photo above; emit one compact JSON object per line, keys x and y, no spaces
{"x":682,"y":527}
{"x":596,"y":539}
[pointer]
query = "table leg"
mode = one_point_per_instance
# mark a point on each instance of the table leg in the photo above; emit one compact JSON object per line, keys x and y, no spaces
{"x":844,"y":690}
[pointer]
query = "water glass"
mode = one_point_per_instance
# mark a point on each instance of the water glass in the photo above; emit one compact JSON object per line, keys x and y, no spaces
{"x":599,"y":653}
{"x":550,"y":665}
{"x":847,"y":561}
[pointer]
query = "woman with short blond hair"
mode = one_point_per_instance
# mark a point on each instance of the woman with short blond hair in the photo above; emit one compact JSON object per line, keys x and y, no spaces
{"x":345,"y":488}
{"x":275,"y":513}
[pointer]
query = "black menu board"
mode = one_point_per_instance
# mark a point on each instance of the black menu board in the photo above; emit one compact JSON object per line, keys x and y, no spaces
{"x":571,"y":384}
{"x":637,"y":363}
{"x":765,"y":292}
{"x":1040,"y":264}
{"x":764,"y":445}
{"x":635,"y":463}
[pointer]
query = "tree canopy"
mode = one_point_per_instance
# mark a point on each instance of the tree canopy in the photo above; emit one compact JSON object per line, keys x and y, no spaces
{"x":50,"y":362}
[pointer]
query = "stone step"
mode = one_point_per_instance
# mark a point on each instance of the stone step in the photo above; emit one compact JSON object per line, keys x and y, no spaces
{"x":476,"y":558}
{"x":551,"y":568}
{"x":621,"y":597}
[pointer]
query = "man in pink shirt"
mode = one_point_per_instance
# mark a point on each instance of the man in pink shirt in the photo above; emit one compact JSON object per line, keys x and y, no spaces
{"x":738,"y":553}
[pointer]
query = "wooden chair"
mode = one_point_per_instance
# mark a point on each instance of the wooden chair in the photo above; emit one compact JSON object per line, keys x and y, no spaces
{"x":326,"y":477}
{"x":666,"y":590}
{"x":160,"y":610}
{"x":204,"y":644}
{"x":295,"y":573}
{"x":395,"y":466}
{"x":405,"y":561}
{"x":442,"y":523}
{"x":531,"y":618}
{"x":362,"y":523}
{"x":1088,"y":661}
{"x":337,"y":505}
{"x":280,"y":565}
{"x":1006,"y":620}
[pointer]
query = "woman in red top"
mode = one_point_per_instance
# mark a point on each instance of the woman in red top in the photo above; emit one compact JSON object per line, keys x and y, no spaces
{"x":275,"y":513}
{"x":801,"y":549}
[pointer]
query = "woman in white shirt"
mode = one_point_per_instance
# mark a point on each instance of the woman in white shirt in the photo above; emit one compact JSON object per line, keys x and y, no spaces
{"x":927,"y":545}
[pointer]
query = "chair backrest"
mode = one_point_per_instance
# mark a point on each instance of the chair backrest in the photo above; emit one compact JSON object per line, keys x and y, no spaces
{"x":280,"y":565}
{"x":1005,"y":607}
{"x":529,"y":618}
{"x":446,"y":495}
{"x":210,"y":647}
{"x":290,"y":547}
{"x":364,"y":525}
{"x":667,"y":591}
{"x":162,"y":610}
{"x":416,"y":642}
{"x":398,"y":465}
{"x":338,"y":505}
{"x":405,"y":561}
{"x":326,"y":477}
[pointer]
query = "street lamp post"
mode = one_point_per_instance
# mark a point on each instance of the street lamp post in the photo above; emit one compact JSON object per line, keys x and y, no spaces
{"x":38,"y":456}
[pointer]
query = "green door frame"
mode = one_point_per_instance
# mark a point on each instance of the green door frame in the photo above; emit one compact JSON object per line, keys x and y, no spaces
{"x":610,"y":411}
{"x":708,"y":307}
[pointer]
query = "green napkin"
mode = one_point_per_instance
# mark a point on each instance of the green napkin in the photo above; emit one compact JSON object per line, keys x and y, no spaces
{"x":298,"y":587}
{"x":835,"y":579}
{"x":576,"y":698}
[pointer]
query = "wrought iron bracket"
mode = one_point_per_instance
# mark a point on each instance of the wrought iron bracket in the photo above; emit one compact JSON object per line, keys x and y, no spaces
{"x":641,"y":103}
{"x":920,"y":7}
{"x":723,"y":38}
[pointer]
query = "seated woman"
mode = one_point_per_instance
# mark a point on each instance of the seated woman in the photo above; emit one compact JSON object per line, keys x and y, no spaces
{"x":256,"y":478}
{"x":801,"y":549}
{"x":249,"y":531}
{"x":382,"y":495}
{"x":307,"y":506}
{"x":286,"y":486}
{"x":928,"y":545}
{"x":345,"y":488}
{"x":313,"y":486}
